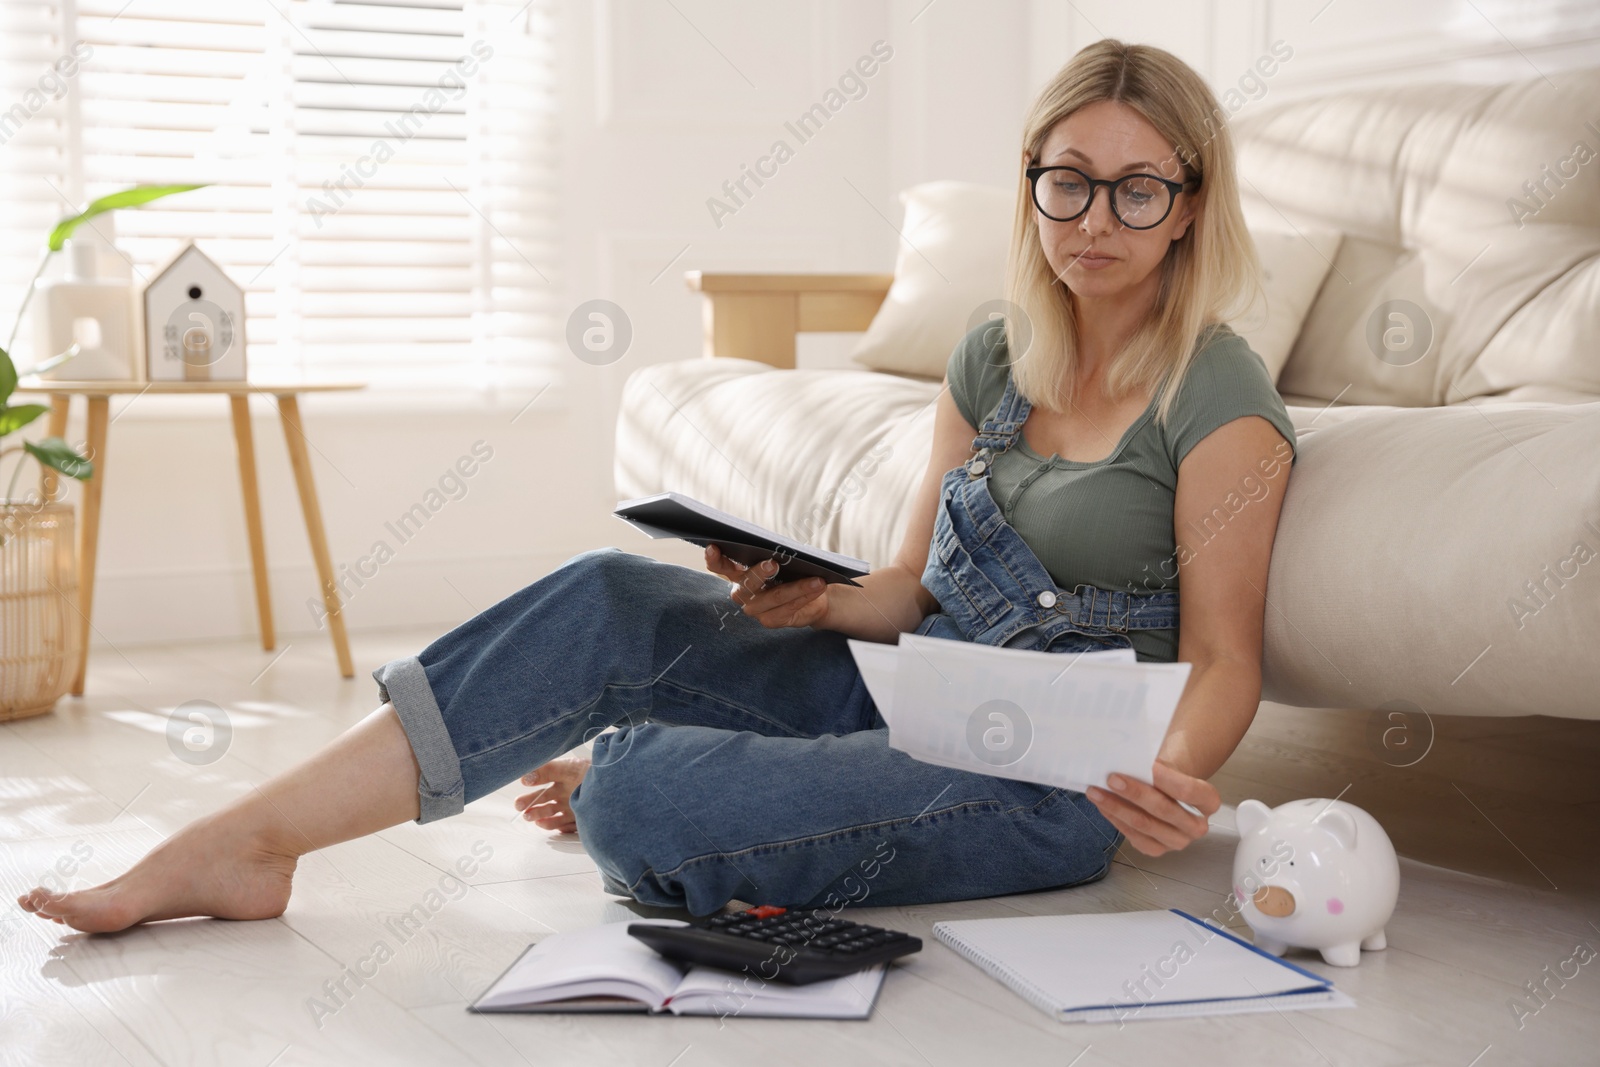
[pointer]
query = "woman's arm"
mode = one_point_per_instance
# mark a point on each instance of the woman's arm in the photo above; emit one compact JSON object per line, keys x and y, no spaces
{"x":1232,"y":483}
{"x":891,"y":600}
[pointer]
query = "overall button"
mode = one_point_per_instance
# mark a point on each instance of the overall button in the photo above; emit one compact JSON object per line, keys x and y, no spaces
{"x":1047,"y":599}
{"x":976,"y":468}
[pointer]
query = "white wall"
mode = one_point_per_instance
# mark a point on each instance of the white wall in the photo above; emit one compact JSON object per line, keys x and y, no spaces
{"x":665,"y":102}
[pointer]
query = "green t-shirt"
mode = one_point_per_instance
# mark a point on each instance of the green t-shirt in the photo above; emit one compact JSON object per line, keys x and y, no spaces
{"x":1109,"y":523}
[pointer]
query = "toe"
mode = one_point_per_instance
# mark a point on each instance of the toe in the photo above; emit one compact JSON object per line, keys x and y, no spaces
{"x":542,"y":775}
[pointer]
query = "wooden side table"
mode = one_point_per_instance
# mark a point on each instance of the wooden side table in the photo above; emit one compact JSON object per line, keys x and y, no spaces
{"x":287,"y":397}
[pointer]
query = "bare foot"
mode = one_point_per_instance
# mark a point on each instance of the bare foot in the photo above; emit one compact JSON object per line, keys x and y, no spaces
{"x":207,"y":868}
{"x":550,"y":806}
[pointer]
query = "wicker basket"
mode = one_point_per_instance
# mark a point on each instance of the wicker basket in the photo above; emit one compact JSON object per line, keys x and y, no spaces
{"x":39,"y":643}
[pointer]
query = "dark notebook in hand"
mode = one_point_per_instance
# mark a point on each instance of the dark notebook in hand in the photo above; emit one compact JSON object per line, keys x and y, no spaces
{"x":683,"y":517}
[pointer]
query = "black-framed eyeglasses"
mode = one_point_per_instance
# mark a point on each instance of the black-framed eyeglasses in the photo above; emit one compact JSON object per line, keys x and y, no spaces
{"x":1139,"y":201}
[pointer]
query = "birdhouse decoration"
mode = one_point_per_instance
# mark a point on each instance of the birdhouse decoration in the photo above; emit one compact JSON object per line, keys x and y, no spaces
{"x":193,"y":321}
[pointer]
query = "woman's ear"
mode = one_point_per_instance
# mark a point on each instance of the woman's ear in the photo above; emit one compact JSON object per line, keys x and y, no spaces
{"x":1186,"y":219}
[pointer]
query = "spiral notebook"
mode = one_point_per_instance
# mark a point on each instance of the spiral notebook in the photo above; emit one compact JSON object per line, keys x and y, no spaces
{"x":1132,"y":965}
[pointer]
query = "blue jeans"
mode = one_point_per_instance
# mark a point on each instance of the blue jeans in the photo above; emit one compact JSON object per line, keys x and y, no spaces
{"x":749,"y":763}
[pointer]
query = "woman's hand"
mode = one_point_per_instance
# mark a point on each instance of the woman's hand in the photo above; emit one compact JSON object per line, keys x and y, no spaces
{"x":798,"y":603}
{"x":1149,"y":815}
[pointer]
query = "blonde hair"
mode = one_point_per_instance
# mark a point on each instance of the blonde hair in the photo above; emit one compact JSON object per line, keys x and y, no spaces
{"x":1208,"y":275}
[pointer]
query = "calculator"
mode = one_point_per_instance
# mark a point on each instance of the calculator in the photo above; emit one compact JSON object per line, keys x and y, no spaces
{"x":771,"y":943}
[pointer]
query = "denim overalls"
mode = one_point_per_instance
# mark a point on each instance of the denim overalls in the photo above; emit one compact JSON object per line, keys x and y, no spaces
{"x":990,"y":586}
{"x":749,"y":762}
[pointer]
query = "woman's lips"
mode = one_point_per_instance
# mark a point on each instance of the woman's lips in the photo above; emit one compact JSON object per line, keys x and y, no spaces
{"x":1093,"y":262}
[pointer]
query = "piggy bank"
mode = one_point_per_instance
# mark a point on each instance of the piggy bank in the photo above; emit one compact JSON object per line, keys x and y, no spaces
{"x":1316,"y":874}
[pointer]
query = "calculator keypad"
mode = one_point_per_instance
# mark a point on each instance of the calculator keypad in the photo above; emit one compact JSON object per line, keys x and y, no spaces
{"x":776,"y":945}
{"x":838,"y":937}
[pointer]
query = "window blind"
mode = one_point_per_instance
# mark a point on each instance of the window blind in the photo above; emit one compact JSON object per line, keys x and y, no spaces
{"x":33,"y":157}
{"x":383,"y":173}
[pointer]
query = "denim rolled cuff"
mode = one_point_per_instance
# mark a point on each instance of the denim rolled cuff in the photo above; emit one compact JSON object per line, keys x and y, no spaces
{"x":440,"y":789}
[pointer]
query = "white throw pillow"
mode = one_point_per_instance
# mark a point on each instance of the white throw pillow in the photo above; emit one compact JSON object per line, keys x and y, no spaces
{"x":1293,"y":266}
{"x":952,"y":261}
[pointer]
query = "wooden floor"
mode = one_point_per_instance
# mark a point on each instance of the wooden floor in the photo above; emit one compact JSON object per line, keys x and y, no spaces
{"x":1501,"y":882}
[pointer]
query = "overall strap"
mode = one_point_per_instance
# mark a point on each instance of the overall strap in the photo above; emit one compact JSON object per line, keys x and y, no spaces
{"x":999,"y":431}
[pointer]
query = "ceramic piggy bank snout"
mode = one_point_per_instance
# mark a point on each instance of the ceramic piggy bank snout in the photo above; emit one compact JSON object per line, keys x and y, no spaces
{"x":1317,"y":874}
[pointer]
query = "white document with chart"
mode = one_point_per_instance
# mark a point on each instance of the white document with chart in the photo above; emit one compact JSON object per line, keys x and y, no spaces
{"x":1062,"y":719}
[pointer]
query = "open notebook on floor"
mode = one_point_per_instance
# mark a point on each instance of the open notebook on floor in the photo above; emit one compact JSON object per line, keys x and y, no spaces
{"x":1132,"y":965}
{"x":602,"y":969}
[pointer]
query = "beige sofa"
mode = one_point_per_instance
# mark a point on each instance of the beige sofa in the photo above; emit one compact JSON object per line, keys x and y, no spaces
{"x":1440,"y":542}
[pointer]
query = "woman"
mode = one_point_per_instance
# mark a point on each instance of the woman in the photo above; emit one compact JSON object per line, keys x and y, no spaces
{"x":750,"y":762}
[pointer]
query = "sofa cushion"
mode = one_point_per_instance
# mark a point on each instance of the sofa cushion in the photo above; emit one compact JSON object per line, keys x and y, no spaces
{"x":952,"y":264}
{"x":1476,"y":206}
{"x":1449,"y":557}
{"x":830,"y":457}
{"x":1407,"y":540}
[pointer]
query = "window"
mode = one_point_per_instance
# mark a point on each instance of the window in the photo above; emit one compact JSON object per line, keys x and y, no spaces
{"x":383,"y":173}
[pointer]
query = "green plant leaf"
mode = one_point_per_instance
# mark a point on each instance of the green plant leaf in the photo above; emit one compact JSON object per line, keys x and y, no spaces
{"x":16,"y":418}
{"x":56,"y":454}
{"x":8,"y":376}
{"x":136,"y":196}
